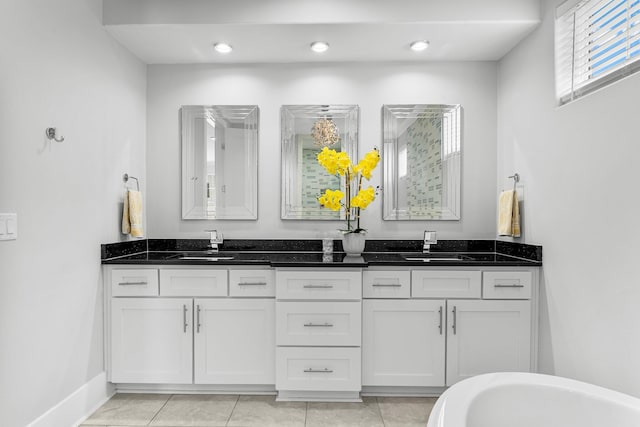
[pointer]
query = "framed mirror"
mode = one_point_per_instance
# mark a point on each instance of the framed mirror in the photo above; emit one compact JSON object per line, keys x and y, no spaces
{"x":305,"y":130}
{"x":422,"y":154}
{"x":219,"y":161}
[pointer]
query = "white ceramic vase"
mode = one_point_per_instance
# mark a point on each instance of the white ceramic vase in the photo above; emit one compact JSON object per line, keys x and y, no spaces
{"x":353,"y":243}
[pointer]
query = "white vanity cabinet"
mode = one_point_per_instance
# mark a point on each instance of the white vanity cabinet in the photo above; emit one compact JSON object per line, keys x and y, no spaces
{"x":318,"y":334}
{"x":151,"y":340}
{"x":487,"y":336}
{"x":189,"y":330}
{"x":329,"y":333}
{"x":234,"y":341}
{"x":455,"y":324}
{"x":403,"y":342}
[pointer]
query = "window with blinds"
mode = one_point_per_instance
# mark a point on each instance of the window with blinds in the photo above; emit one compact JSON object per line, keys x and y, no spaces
{"x":596,"y":43}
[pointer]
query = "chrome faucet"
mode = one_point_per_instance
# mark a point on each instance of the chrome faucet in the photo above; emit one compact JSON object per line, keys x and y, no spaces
{"x":429,"y":239}
{"x":215,"y":239}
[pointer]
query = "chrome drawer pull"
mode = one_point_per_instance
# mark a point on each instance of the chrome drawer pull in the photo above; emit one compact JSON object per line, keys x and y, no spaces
{"x":324,"y":325}
{"x":320,"y":371}
{"x":184,"y":317}
{"x":318,"y":286}
{"x":132,"y":283}
{"x":198,"y":320}
{"x":387,"y":285}
{"x":454,"y":326}
{"x":508,"y":286}
{"x":252,"y":284}
{"x":440,"y":324}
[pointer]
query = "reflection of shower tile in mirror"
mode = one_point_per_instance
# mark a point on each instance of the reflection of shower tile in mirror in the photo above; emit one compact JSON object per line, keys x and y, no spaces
{"x":315,"y":180}
{"x":424,"y":160}
{"x":422,"y":170}
{"x":304,"y":180}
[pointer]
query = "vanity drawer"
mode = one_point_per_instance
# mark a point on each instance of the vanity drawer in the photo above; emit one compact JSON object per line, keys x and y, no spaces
{"x":318,"y":323}
{"x":193,"y":283}
{"x":252,"y":283}
{"x":318,"y":369}
{"x":386,"y":284}
{"x":134,"y":282}
{"x":506,"y":284}
{"x":445,"y":284}
{"x":318,"y":285}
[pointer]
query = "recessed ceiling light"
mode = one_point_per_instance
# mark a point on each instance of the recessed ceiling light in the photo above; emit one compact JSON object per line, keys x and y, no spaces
{"x":319,"y":47}
{"x":419,"y":45}
{"x":222,"y":47}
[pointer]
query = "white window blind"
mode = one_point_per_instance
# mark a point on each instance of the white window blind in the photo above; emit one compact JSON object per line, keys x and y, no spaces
{"x":596,"y":43}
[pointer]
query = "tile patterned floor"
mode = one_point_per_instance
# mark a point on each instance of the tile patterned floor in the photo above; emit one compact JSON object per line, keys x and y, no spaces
{"x":128,"y":410}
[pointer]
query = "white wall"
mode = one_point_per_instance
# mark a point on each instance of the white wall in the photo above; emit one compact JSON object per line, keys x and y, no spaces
{"x":578,"y":165}
{"x":60,"y":68}
{"x":471,"y":84}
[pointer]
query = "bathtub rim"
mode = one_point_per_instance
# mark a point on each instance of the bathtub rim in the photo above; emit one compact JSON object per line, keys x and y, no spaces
{"x":462,"y":394}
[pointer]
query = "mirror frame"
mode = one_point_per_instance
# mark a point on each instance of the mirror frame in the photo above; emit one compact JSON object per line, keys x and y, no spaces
{"x":248,"y":115}
{"x":394,"y":119}
{"x":346,"y":118}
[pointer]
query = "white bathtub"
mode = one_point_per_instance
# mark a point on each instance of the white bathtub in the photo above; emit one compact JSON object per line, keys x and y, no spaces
{"x":532,"y":400}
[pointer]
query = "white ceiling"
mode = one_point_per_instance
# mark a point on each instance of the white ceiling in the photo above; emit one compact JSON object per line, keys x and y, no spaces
{"x":270,"y":31}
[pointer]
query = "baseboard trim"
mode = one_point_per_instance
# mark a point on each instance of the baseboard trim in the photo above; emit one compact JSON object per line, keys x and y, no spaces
{"x":260,"y":389}
{"x":79,"y":405}
{"x":402,"y":391}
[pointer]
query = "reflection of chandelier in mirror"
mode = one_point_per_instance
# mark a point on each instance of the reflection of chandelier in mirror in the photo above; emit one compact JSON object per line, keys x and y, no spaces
{"x":325,"y":133}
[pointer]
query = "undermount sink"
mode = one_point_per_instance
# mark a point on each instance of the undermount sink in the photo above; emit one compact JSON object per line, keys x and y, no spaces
{"x":436,"y":257}
{"x":205,"y":258}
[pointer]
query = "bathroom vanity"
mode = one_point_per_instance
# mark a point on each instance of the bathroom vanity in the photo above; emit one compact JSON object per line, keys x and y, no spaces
{"x":310,"y":327}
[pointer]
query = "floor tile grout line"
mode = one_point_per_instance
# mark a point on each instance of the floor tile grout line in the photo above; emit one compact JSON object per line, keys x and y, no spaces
{"x":378,"y":402}
{"x":159,"y":410}
{"x":384,"y":424}
{"x":232,"y":409}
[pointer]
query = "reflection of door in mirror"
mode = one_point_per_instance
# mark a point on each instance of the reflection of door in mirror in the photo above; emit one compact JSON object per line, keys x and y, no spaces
{"x":210,"y":195}
{"x":219,"y":149}
{"x":422,"y":162}
{"x":198,"y":178}
{"x":303,"y":179}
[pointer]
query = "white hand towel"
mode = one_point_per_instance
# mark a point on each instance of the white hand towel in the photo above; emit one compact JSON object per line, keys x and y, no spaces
{"x":132,"y":214}
{"x":508,"y":214}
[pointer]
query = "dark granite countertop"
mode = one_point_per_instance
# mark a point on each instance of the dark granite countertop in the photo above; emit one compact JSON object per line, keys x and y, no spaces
{"x":301,"y":253}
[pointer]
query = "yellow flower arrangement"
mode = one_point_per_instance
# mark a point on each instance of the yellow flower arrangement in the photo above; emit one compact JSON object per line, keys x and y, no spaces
{"x":339,"y":163}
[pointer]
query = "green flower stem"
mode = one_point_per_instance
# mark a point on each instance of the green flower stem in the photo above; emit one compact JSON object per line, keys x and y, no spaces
{"x":348,"y":200}
{"x":358,"y":209}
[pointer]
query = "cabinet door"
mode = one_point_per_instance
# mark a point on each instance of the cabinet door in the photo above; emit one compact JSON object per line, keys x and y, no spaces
{"x":403,"y":342}
{"x":487,"y":336}
{"x":234,"y":341}
{"x":151,"y":340}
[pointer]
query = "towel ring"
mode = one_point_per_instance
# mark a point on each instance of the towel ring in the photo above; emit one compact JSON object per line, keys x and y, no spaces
{"x":126,"y":179}
{"x":516,"y":179}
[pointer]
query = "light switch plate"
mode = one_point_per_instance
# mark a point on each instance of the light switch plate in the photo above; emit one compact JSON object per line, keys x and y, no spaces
{"x":8,"y":226}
